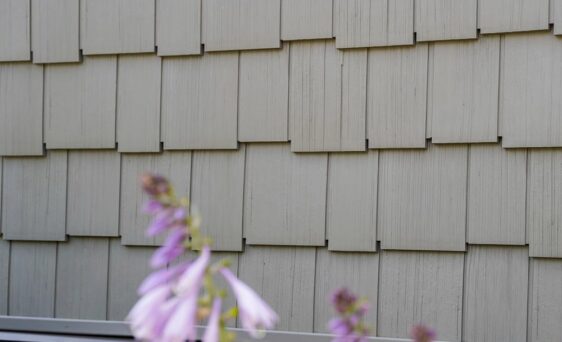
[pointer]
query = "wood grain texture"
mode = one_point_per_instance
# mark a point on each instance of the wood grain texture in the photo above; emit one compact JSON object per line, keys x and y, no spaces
{"x":218,"y":182}
{"x":199,"y":102}
{"x":176,"y":166}
{"x":178,"y":27}
{"x":544,"y":191}
{"x":80,"y":104}
{"x":495,"y":16}
{"x":531,"y":83}
{"x":34,"y":197}
{"x":306,"y":19}
{"x":552,"y":11}
{"x":21,"y":109}
{"x":241,"y":24}
{"x":351,"y":221}
{"x":82,"y":269}
{"x":545,"y":300}
{"x":422,"y":198}
{"x":327,"y":97}
{"x":356,"y":271}
{"x":1,"y":194}
{"x":496,"y":195}
{"x":117,"y":26}
{"x":284,"y":196}
{"x":364,"y":23}
{"x":429,"y":110}
{"x":55,"y":31}
{"x":4,"y":275}
{"x":556,"y":16}
{"x":420,"y":287}
{"x":445,"y":19}
{"x":397,"y":96}
{"x":15,"y":31}
{"x":93,"y":193}
{"x":138,"y":105}
{"x":263,"y":113}
{"x":495,"y":294}
{"x":284,"y":277}
{"x":128,"y":266}
{"x":465,"y":91}
{"x":32,"y":279}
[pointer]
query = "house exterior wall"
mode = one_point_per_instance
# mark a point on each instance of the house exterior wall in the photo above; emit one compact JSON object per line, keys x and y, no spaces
{"x":408,"y":149}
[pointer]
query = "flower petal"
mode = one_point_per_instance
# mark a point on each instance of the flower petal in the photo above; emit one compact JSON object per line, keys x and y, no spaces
{"x":172,"y":248}
{"x":192,"y":278}
{"x":212,"y":333}
{"x":181,"y":325}
{"x":161,"y":277}
{"x":255,"y":314}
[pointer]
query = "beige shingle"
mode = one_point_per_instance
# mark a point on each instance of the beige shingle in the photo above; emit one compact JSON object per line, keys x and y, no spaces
{"x":397,"y":97}
{"x":21,"y":109}
{"x":178,"y":27}
{"x":365,"y":23}
{"x":306,"y":19}
{"x":464,"y":91}
{"x":117,"y":26}
{"x":495,"y":294}
{"x":419,"y":287}
{"x":496,"y":16}
{"x":199,"y":102}
{"x":15,"y":30}
{"x":34,"y":197}
{"x":445,"y":19}
{"x":55,"y":31}
{"x":79,"y":104}
{"x":422,"y":198}
{"x":241,"y":24}
{"x":327,"y":97}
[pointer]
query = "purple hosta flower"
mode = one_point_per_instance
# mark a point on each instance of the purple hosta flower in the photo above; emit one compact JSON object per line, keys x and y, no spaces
{"x":152,"y":207}
{"x":212,"y":334}
{"x":348,"y":326}
{"x":172,"y":248}
{"x":421,"y":333}
{"x":161,"y":277}
{"x":147,"y":314}
{"x":166,"y":218}
{"x":155,"y":185}
{"x":181,"y":323}
{"x":255,"y":314}
{"x":168,"y":309}
{"x":343,"y":300}
{"x":192,"y":278}
{"x":340,"y":327}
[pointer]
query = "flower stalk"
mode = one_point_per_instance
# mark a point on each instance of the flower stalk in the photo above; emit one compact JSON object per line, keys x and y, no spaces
{"x":174,"y":299}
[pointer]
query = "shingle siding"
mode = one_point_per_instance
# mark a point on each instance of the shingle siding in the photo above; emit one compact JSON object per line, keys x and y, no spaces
{"x":408,"y":149}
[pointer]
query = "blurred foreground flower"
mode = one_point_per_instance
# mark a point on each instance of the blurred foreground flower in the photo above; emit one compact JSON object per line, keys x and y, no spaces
{"x":348,"y":326}
{"x":421,"y":333}
{"x":174,"y":299}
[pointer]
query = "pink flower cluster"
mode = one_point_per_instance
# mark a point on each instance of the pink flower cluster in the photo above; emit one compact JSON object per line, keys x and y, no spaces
{"x":348,"y":326}
{"x":170,"y":304}
{"x":421,"y":333}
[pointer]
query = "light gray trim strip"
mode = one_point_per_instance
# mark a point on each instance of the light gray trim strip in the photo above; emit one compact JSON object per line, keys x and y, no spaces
{"x":96,"y":329}
{"x":16,"y":336}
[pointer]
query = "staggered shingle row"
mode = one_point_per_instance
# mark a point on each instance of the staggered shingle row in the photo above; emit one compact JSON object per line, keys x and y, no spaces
{"x":57,"y":30}
{"x":308,"y":92}
{"x":441,"y":198}
{"x":459,"y":294}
